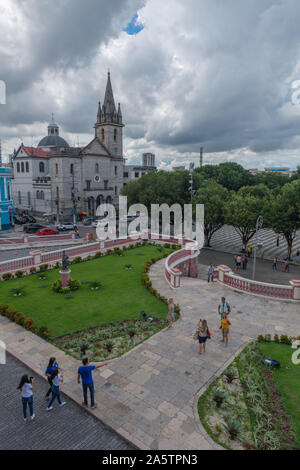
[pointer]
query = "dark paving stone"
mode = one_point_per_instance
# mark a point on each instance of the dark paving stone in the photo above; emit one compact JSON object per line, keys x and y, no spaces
{"x":67,"y":428}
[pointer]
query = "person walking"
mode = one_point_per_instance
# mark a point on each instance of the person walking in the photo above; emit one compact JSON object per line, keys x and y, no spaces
{"x":210,"y":273}
{"x":203,"y":335}
{"x":262,"y":256}
{"x":57,"y":379}
{"x":274,"y":264}
{"x":225,"y":328}
{"x":297,"y":259}
{"x":26,"y":388}
{"x":52,"y":365}
{"x":286,"y":266}
{"x":85,"y":374}
{"x":238,"y":262}
{"x":249,"y":251}
{"x":171,"y":313}
{"x":278,"y":241}
{"x":223,"y":308}
{"x":235,"y":261}
{"x":244,"y":262}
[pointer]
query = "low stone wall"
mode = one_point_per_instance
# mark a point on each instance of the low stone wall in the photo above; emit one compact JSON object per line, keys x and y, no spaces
{"x":183,"y":262}
{"x":262,"y":289}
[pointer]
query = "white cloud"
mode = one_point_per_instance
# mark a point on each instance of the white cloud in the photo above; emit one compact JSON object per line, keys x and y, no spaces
{"x":216,"y":74}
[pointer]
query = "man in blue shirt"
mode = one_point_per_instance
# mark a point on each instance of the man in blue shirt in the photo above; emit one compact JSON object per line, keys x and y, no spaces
{"x":85,"y":374}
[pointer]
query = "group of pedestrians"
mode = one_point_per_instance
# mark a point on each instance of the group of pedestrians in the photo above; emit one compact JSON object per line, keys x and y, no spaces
{"x":202,"y":333}
{"x":240,"y":262}
{"x":54,"y":376}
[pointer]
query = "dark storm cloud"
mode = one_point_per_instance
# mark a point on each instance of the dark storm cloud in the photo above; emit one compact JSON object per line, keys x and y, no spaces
{"x":52,"y":36}
{"x":217,"y":73}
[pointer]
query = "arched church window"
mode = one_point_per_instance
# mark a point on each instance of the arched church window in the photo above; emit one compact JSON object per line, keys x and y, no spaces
{"x":97,"y":168}
{"x":42,"y":167}
{"x":115,"y":135}
{"x":102,"y":134}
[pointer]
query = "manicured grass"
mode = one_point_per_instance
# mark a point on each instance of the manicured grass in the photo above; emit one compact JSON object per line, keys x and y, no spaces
{"x":121,"y":297}
{"x":287,"y":380}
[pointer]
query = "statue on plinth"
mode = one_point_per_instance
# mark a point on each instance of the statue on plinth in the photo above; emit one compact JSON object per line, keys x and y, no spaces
{"x":64,"y":261}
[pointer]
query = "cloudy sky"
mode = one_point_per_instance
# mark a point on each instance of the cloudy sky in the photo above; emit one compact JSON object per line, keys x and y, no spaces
{"x":212,"y":73}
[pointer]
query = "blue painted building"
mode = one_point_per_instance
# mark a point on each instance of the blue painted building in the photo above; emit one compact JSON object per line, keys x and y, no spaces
{"x":6,"y":203}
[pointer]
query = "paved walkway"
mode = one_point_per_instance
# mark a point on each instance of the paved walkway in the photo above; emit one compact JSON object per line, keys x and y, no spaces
{"x":227,"y":239}
{"x":264,"y":270}
{"x":69,"y":428}
{"x":149,"y":396}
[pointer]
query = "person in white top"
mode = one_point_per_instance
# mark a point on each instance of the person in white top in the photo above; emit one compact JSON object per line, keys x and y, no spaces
{"x":26,"y":387}
{"x":57,"y":379}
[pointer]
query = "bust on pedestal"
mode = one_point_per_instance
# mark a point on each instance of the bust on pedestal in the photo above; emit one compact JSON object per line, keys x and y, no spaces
{"x":65,"y":271}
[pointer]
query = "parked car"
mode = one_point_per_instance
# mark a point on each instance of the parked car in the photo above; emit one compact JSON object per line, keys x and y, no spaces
{"x":19,"y":219}
{"x":29,"y":219}
{"x":63,"y":226}
{"x":32,"y":228}
{"x":87,"y":221}
{"x":47,"y":231}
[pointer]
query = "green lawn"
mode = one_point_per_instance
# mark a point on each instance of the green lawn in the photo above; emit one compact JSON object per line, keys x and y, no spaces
{"x":287,"y":380}
{"x":121,"y":297}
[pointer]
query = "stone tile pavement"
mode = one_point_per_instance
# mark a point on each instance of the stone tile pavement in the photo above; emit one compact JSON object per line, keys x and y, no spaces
{"x":69,"y":428}
{"x":149,"y":396}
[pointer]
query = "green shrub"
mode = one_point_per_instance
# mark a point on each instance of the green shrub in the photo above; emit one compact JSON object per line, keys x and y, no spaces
{"x":77,"y":260}
{"x":74,"y":285}
{"x":284,"y":339}
{"x":43,"y":268}
{"x":7,"y":276}
{"x":19,"y":274}
{"x":32,"y":270}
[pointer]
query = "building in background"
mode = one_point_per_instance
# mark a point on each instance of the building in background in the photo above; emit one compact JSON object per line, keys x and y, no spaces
{"x":60,"y":180}
{"x":6,"y":203}
{"x":178,"y":168}
{"x":149,"y":160}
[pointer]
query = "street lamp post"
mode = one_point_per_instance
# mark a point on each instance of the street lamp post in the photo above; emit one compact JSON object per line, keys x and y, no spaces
{"x":259,"y":224}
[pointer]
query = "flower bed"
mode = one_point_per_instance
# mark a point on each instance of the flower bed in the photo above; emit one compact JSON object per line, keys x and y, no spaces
{"x":109,"y":341}
{"x":251,"y":415}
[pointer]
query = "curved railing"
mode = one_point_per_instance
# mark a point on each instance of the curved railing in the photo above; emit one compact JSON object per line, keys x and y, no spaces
{"x":264,"y":289}
{"x":183,"y":262}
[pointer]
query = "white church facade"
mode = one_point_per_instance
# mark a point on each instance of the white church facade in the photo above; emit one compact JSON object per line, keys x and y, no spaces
{"x":58,"y":179}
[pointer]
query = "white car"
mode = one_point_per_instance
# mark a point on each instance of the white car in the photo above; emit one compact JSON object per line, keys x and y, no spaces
{"x":66,"y":226}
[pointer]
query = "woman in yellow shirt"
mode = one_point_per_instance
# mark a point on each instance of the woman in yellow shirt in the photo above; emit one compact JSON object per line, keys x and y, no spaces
{"x":225,"y":328}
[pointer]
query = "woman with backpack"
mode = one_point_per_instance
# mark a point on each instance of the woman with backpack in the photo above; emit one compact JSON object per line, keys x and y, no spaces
{"x":57,"y":379}
{"x":203,"y":335}
{"x":26,"y":387}
{"x":51,"y":367}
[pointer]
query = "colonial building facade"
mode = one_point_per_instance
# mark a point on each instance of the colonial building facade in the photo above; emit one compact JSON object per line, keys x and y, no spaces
{"x":76,"y":179}
{"x":6,"y":202}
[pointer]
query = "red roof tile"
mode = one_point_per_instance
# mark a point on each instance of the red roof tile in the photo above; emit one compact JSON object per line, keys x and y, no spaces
{"x":37,"y":152}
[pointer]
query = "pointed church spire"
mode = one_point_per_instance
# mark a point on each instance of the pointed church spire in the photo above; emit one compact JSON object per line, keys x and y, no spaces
{"x":119,"y":114}
{"x":99,"y":112}
{"x":109,"y":102}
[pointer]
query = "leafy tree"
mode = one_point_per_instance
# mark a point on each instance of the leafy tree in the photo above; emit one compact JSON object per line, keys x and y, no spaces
{"x":271,"y":180}
{"x":243,"y":208}
{"x":214,"y":198}
{"x":282,"y":212}
{"x":159,"y":187}
{"x":230,"y":175}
